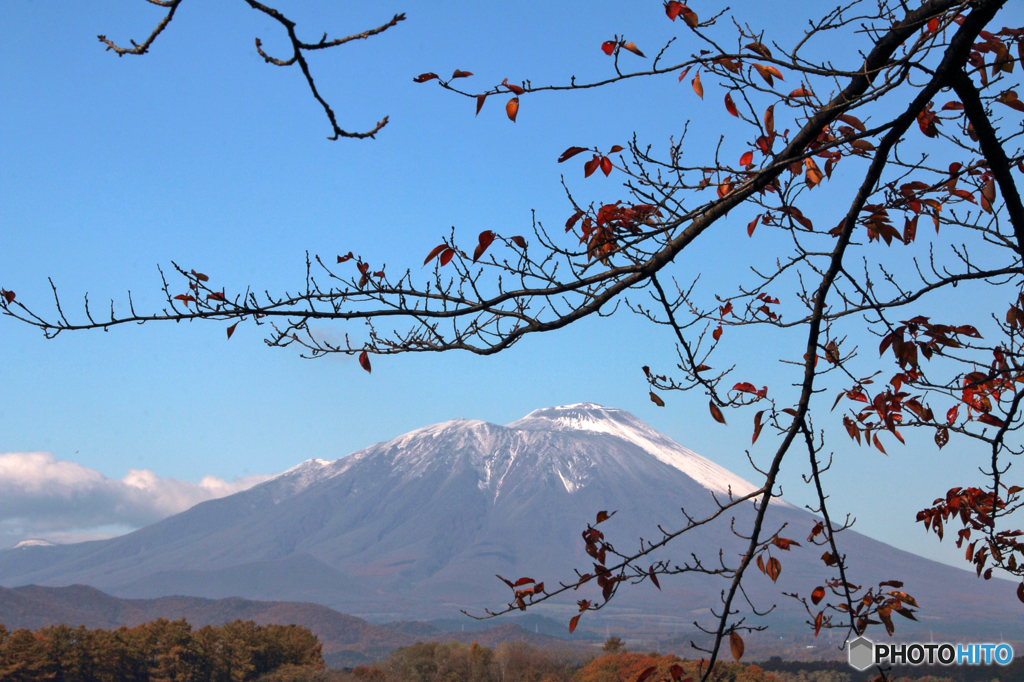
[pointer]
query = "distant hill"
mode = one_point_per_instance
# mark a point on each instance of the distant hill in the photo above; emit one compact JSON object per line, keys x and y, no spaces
{"x":347,"y":641}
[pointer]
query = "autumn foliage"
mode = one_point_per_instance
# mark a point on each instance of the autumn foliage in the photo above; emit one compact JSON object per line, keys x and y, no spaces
{"x":239,"y":651}
{"x":879,"y":183}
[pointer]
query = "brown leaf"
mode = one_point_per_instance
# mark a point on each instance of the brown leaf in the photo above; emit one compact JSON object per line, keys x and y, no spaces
{"x":424,"y":77}
{"x":654,"y":578}
{"x":1020,"y":592}
{"x":758,"y":425}
{"x":231,"y":329}
{"x":480,"y":99}
{"x":773,"y":567}
{"x":603,"y":516}
{"x":646,"y":673}
{"x":572,"y":624}
{"x":657,"y":400}
{"x":460,"y":74}
{"x":364,"y":361}
{"x":8,"y":295}
{"x":512,"y":108}
{"x":736,"y":645}
{"x":519,"y":241}
{"x":988,"y":195}
{"x":716,"y":413}
{"x":697,"y":87}
{"x":634,"y":49}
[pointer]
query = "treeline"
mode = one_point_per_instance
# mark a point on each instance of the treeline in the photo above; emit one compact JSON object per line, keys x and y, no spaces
{"x":520,"y":662}
{"x":160,"y":651}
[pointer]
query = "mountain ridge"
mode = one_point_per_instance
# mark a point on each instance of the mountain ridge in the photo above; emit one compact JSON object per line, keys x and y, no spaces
{"x":417,"y":526}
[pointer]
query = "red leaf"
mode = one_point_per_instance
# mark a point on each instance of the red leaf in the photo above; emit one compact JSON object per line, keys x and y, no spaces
{"x":604,"y":516}
{"x":200,"y":276}
{"x":590,"y":166}
{"x":572,"y":624}
{"x":347,"y":257}
{"x":716,"y":413}
{"x":364,"y":361}
{"x":736,"y":645}
{"x":523,"y":581}
{"x":480,"y":99}
{"x":486,"y":238}
{"x":1020,"y":591}
{"x":608,"y":47}
{"x":8,"y":295}
{"x":654,"y":578}
{"x":615,"y":148}
{"x":570,"y":152}
{"x":519,"y":241}
{"x":217,"y":296}
{"x":231,"y":329}
{"x":606,"y":166}
{"x":817,"y":595}
{"x":460,"y":74}
{"x":512,"y":108}
{"x":751,"y":225}
{"x":673,"y":8}
{"x":185,"y":297}
{"x":747,"y":159}
{"x":424,"y":77}
{"x":433,"y":254}
{"x":800,"y":92}
{"x":446,"y":256}
{"x":990,"y":420}
{"x":730,"y":106}
{"x":878,"y":444}
{"x":717,"y":334}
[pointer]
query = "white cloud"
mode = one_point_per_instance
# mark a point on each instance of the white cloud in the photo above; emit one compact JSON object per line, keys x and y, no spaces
{"x":61,"y":501}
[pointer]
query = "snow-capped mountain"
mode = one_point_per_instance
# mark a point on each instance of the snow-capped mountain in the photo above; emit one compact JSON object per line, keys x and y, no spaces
{"x":417,"y":527}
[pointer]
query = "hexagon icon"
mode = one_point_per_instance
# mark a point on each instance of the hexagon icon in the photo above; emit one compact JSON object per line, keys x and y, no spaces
{"x":862,"y":653}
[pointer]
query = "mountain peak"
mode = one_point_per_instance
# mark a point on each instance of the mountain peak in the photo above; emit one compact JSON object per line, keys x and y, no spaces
{"x":621,"y":424}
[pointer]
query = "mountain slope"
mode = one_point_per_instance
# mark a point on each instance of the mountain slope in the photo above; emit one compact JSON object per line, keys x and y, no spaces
{"x":416,"y":527}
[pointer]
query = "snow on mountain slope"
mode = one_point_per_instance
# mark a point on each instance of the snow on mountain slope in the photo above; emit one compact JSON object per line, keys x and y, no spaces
{"x":622,"y":424}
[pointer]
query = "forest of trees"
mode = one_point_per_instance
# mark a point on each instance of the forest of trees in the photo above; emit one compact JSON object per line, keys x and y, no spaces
{"x":160,"y":651}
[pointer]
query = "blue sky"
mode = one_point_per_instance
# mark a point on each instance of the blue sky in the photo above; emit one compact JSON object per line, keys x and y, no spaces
{"x":201,"y":153}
